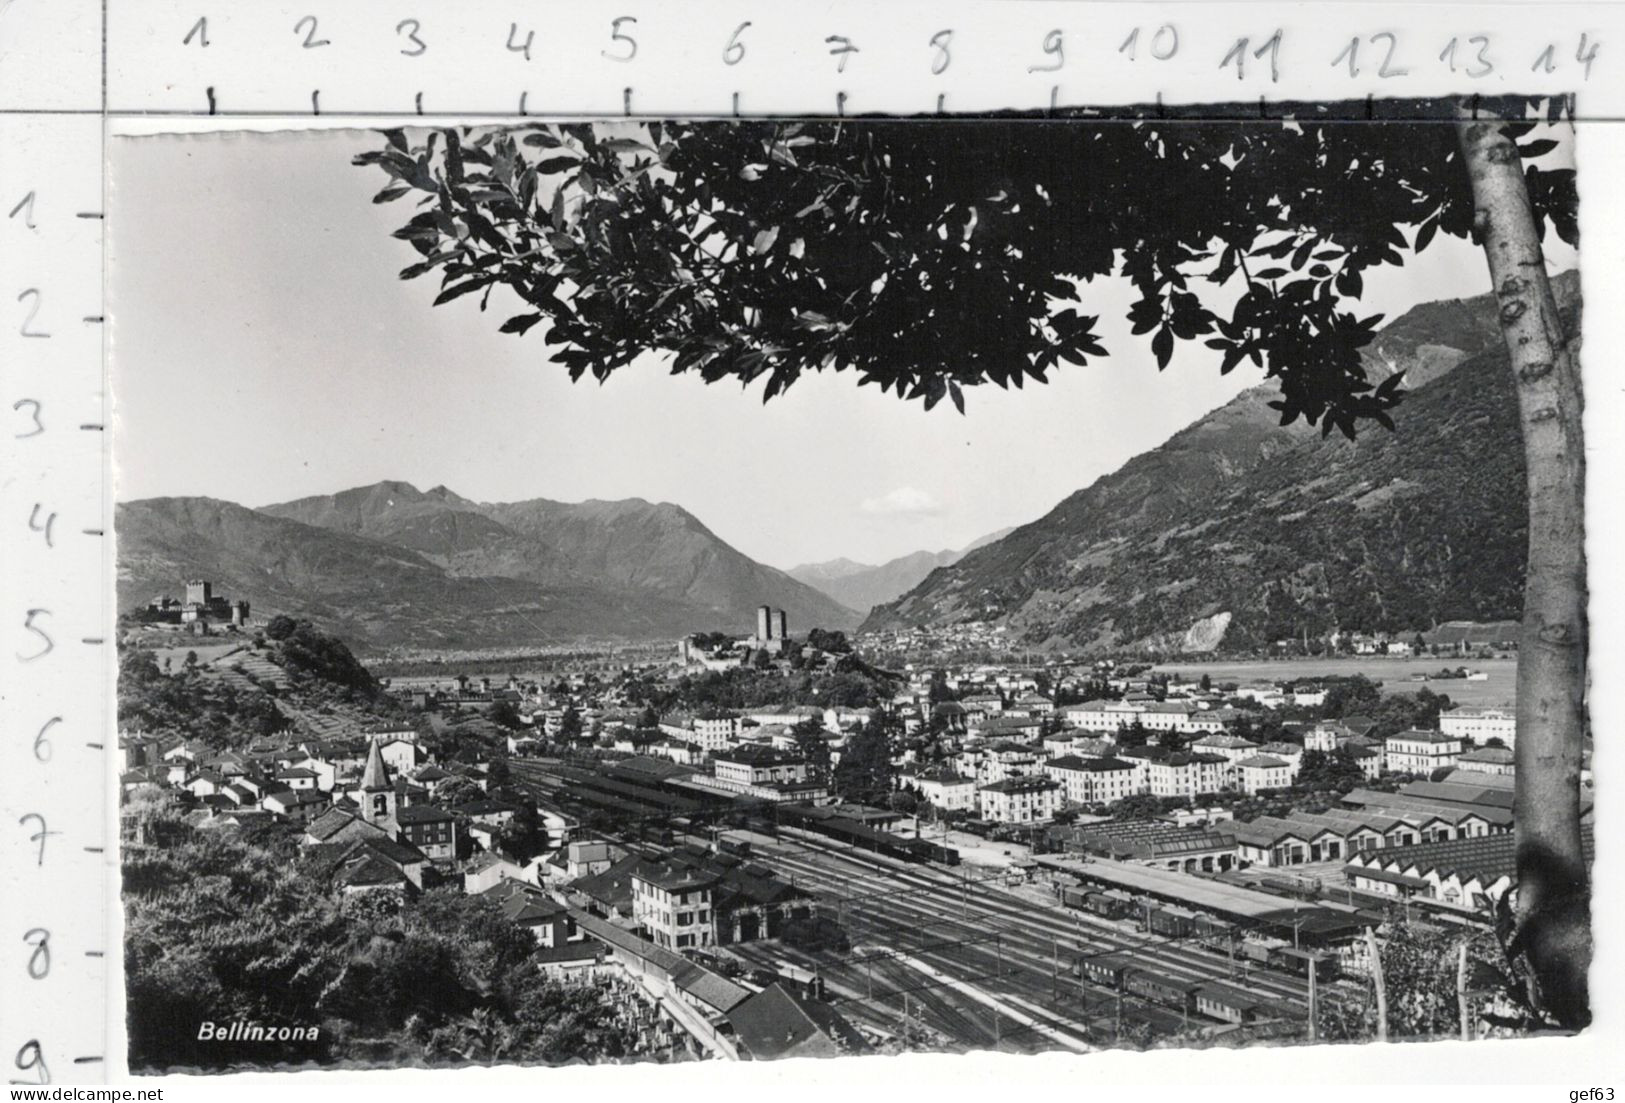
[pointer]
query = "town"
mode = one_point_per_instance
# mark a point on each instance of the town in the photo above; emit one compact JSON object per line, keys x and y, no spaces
{"x":760,"y":844}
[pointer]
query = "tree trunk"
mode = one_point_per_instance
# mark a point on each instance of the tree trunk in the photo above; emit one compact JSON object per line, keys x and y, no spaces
{"x":1553,"y":901}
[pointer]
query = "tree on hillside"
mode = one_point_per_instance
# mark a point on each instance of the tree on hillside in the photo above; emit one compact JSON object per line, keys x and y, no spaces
{"x":933,"y":257}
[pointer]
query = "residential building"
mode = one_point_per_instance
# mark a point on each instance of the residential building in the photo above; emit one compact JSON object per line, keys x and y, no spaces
{"x":674,"y":904}
{"x":758,"y":765}
{"x":430,"y":829}
{"x":1029,"y":799}
{"x":1260,"y":771}
{"x":1092,"y":780}
{"x":1481,"y":724}
{"x":1420,"y":752}
{"x":945,"y":790}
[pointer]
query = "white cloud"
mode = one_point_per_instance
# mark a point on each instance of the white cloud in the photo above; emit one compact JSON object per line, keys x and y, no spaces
{"x":904,"y":501}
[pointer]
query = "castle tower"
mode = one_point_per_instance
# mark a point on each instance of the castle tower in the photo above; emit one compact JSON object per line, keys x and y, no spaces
{"x":377,"y":787}
{"x":782,"y":623}
{"x":199,"y":592}
{"x":764,"y":624}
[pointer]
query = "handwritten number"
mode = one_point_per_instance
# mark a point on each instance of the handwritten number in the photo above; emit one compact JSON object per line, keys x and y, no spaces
{"x":200,"y":31}
{"x":32,"y":295}
{"x":39,"y":962}
{"x":1238,"y":54}
{"x":1385,"y":70}
{"x":33,"y":411}
{"x":1164,"y":44}
{"x":940,"y":40}
{"x":522,"y":47}
{"x":31,"y":1058}
{"x":1481,"y":58}
{"x":26,"y":209}
{"x":1585,"y":57}
{"x":35,"y":526}
{"x":616,"y":36}
{"x":734,"y":52}
{"x":42,"y":745}
{"x":39,"y":836}
{"x":418,"y":45}
{"x":308,"y":25}
{"x":840,"y":47}
{"x":1055,"y":46}
{"x":50,"y":644}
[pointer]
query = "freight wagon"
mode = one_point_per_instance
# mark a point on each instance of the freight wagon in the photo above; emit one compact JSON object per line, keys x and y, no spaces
{"x":1108,"y":904}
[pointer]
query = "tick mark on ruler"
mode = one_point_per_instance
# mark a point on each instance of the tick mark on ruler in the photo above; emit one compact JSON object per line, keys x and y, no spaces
{"x":93,"y":850}
{"x":96,"y":318}
{"x":87,"y":1060}
{"x":93,"y":532}
{"x":94,"y":746}
{"x":90,"y":214}
{"x":93,"y":953}
{"x":91,"y":425}
{"x":93,"y":640}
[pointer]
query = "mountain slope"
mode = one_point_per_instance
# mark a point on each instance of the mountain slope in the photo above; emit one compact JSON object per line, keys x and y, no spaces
{"x":862,"y":586}
{"x":371,"y":593}
{"x":1237,"y":532}
{"x":630,"y":546}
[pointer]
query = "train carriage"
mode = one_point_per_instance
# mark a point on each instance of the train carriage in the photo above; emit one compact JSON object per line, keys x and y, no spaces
{"x":1104,"y":969}
{"x":1165,"y":990}
{"x":1298,"y":962}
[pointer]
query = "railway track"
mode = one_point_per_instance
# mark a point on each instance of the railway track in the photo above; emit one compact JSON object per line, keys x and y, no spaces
{"x":1018,"y":918}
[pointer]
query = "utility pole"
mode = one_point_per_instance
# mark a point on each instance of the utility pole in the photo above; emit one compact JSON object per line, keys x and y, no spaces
{"x":1314,"y":1022}
{"x":1055,"y":973}
{"x":1377,"y":979}
{"x":1461,"y":993}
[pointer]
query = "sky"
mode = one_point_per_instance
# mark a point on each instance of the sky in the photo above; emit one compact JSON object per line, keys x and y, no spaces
{"x":265,"y":349}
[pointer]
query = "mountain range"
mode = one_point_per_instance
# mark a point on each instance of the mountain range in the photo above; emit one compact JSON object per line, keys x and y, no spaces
{"x":1235,"y":532}
{"x":389,"y":565}
{"x":1239,"y":531}
{"x":862,"y":586}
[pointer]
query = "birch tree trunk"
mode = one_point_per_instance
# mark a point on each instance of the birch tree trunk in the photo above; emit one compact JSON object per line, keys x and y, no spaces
{"x":1553,"y":901}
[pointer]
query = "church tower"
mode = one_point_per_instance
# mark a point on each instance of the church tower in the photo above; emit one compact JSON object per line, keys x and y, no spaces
{"x":377,"y":788}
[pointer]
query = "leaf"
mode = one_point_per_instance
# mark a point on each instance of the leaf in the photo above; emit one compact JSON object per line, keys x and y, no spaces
{"x":519,"y":323}
{"x":1530,"y":150}
{"x":764,"y":240}
{"x":1424,"y":234}
{"x":1162,"y":345}
{"x":459,"y":290}
{"x":390,"y":194}
{"x":1271,"y":273}
{"x":548,"y":166}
